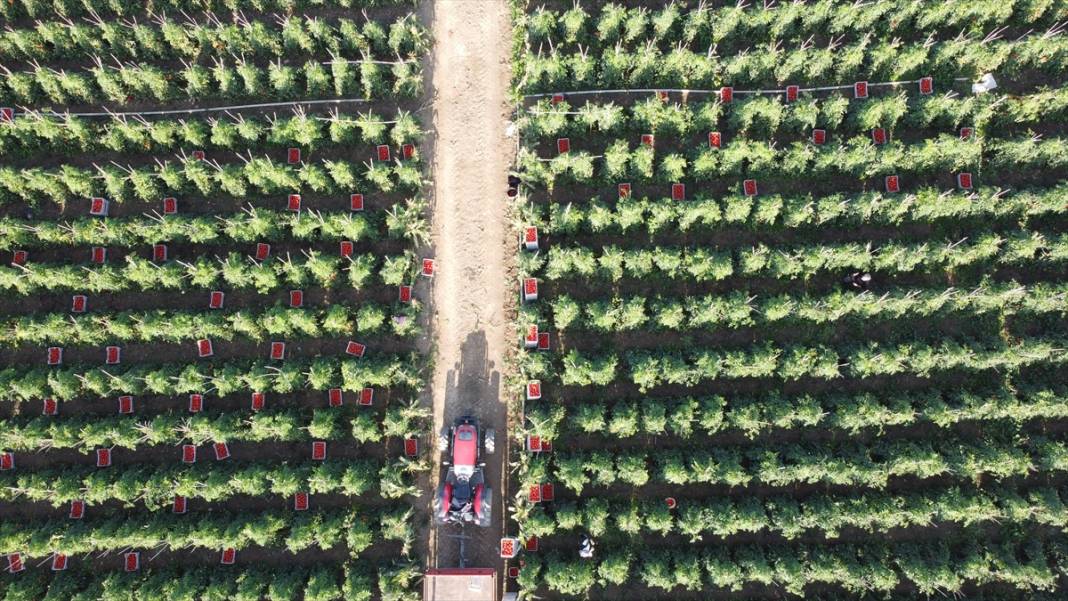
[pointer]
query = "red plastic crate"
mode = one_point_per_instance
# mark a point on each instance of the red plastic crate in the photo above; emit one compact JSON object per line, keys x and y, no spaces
{"x":408,"y":151}
{"x":222,"y":451}
{"x":543,"y":341}
{"x":534,"y":444}
{"x":532,"y":544}
{"x":648,"y":140}
{"x":819,"y":136}
{"x":405,"y":294}
{"x":624,"y":190}
{"x":530,"y":289}
{"x":530,"y":339}
{"x":411,"y":447}
{"x":98,"y":255}
{"x":7,"y":114}
{"x":346,"y":249}
{"x":215,"y":299}
{"x":19,"y":257}
{"x":204,"y":348}
{"x":860,"y":90}
{"x":159,"y":253}
{"x":132,"y":561}
{"x":103,"y":457}
{"x":534,"y":494}
{"x":792,"y":92}
{"x":293,"y":156}
{"x":199,"y":155}
{"x":78,"y":303}
{"x":355,"y":349}
{"x":530,"y":237}
{"x":189,"y":453}
{"x":335,"y":398}
{"x":715,"y":139}
{"x":50,"y":407}
{"x":964,"y":181}
{"x":263,"y":250}
{"x":428,"y":268}
{"x":7,"y":461}
{"x":228,"y":556}
{"x":296,"y":298}
{"x":278,"y":351}
{"x":893,"y":184}
{"x":14,"y":563}
{"x":77,"y":509}
{"x":293,"y":202}
{"x":98,"y":206}
{"x":749,"y":187}
{"x":383,"y":152}
{"x":547,"y":492}
{"x":678,"y":191}
{"x":533,"y":390}
{"x":179,"y":505}
{"x":726,"y":94}
{"x":509,"y":547}
{"x":513,"y":572}
{"x":926,"y":85}
{"x":563,"y":145}
{"x":557,"y":98}
{"x":126,"y":404}
{"x":258,"y":401}
{"x":319,"y":450}
{"x":196,"y":403}
{"x":170,"y":205}
{"x":55,"y":355}
{"x":59,"y":562}
{"x":878,"y":135}
{"x":966,"y":133}
{"x":367,"y":397}
{"x":112,"y":355}
{"x":300,"y":501}
{"x":355,"y":202}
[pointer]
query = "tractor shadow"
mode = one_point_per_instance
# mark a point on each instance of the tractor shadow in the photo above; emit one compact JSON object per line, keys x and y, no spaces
{"x":473,"y":387}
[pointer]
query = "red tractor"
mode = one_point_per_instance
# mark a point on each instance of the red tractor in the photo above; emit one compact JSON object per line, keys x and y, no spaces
{"x":464,"y":496}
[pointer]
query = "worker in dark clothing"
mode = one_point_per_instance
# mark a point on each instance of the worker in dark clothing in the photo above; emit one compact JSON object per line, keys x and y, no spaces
{"x":586,"y":547}
{"x":513,"y":185}
{"x":858,"y":280}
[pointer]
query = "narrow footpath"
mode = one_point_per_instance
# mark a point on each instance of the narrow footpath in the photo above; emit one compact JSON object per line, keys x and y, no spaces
{"x":473,"y":282}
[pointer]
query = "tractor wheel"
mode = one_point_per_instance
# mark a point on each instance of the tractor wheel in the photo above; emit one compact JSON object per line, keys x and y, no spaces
{"x":443,"y":440}
{"x":487,"y":508}
{"x":490,"y":443}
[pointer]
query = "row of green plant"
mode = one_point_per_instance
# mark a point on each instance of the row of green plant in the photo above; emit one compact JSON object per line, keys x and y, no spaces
{"x":238,"y":79}
{"x":767,"y":116}
{"x":155,"y":486}
{"x":184,"y":325}
{"x":768,"y":413}
{"x":355,"y":528}
{"x":357,"y":580}
{"x":233,"y":271}
{"x":931,"y":566}
{"x":86,"y":433}
{"x":847,"y":308}
{"x":41,"y":9}
{"x":252,"y":224}
{"x":650,"y":368}
{"x":697,"y":264}
{"x":166,"y":38}
{"x":739,"y":27}
{"x":1031,"y":56}
{"x":771,"y":213}
{"x":218,"y":378}
{"x":857,"y":157}
{"x":35,"y":134}
{"x":188,"y":176}
{"x":846,"y":463}
{"x":823,"y":514}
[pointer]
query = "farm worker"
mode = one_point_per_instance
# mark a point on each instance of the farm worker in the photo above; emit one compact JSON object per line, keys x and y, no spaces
{"x":586,"y":547}
{"x":859,"y":280}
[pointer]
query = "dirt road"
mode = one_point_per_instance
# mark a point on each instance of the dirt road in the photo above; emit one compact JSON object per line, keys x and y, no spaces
{"x":473,"y":283}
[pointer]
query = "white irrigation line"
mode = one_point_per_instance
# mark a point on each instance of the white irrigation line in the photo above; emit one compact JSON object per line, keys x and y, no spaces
{"x":212,"y":109}
{"x":717,"y":92}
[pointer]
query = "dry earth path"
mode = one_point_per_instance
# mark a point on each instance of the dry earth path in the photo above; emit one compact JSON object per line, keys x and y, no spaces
{"x":472,"y":288}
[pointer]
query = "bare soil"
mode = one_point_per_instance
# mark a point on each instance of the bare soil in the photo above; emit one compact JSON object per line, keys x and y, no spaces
{"x":472,"y":291}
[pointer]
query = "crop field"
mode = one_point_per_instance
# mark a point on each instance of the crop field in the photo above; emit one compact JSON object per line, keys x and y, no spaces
{"x":805,"y":290}
{"x":209,"y":212}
